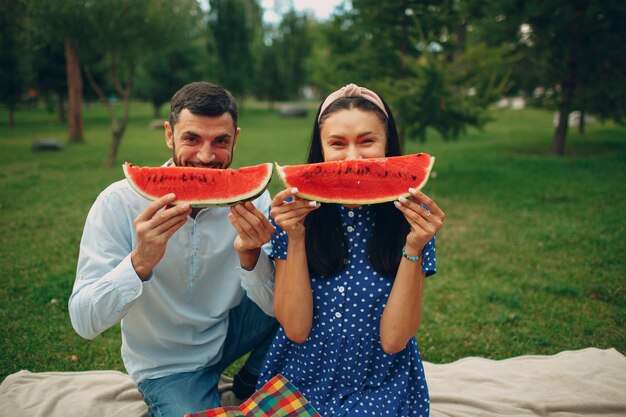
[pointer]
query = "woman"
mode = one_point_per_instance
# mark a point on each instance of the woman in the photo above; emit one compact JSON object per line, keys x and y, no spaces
{"x":349,"y":279}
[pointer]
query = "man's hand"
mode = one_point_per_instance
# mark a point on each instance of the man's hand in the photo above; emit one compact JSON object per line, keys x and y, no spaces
{"x":253,"y":231}
{"x":153,"y":230}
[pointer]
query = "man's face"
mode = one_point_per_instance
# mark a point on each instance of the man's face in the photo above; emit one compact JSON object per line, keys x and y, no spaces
{"x":202,"y":141}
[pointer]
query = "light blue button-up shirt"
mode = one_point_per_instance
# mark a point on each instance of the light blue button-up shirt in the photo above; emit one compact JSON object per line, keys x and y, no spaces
{"x":177,"y":320}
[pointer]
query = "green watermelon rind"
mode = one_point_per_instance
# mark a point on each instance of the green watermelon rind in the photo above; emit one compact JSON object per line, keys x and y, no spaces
{"x":224,"y":202}
{"x":355,"y":201}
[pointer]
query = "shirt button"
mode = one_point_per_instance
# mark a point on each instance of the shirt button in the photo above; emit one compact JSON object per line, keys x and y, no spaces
{"x":345,"y":261}
{"x":350,"y":213}
{"x":338,"y":315}
{"x":350,"y":229}
{"x":340,"y":289}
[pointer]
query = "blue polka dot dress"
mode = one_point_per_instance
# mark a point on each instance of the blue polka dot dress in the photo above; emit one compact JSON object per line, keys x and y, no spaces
{"x":341,"y":368}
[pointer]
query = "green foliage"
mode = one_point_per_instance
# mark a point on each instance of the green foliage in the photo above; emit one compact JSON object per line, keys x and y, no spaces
{"x":235,"y":26}
{"x":59,"y":20}
{"x":271,"y":84}
{"x":329,"y":63}
{"x":164,"y":71}
{"x":177,"y":58}
{"x":530,"y":260}
{"x":13,"y":62}
{"x":602,"y":82}
{"x":429,"y":100}
{"x":282,"y":70}
{"x":123,"y":31}
{"x":49,"y":67}
{"x":449,"y":96}
{"x":570,"y":46}
{"x":417,"y":54}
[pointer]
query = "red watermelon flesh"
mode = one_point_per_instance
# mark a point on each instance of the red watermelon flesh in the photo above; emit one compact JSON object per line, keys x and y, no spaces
{"x":359,"y":181}
{"x":200,"y":187}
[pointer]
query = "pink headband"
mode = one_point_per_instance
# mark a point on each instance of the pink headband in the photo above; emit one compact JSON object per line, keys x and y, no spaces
{"x":353,"y":90}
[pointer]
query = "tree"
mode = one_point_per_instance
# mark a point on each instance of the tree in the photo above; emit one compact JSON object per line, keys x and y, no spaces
{"x":561,"y":36}
{"x":271,"y":83}
{"x":180,"y":59}
{"x":415,"y":53}
{"x":574,"y":49}
{"x":283,"y":59}
{"x":164,"y":71}
{"x":67,"y":23}
{"x":601,"y":87}
{"x":235,"y":26}
{"x":125,"y":31}
{"x":295,"y":46}
{"x":449,"y":96}
{"x":48,"y":64}
{"x":13,"y":63}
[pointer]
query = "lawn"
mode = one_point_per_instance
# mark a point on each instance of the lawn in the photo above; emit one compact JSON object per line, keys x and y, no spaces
{"x":531,"y":259}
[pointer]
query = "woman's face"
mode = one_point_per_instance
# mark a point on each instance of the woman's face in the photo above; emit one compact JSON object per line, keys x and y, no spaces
{"x":353,"y":134}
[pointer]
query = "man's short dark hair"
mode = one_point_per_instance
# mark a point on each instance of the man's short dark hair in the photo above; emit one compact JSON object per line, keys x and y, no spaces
{"x":203,"y":99}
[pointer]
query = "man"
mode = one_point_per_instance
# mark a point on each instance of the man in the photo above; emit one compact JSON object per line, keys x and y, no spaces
{"x":171,"y":275}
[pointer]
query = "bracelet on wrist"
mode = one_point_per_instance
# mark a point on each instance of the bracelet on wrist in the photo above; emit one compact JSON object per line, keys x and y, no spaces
{"x":410,"y":258}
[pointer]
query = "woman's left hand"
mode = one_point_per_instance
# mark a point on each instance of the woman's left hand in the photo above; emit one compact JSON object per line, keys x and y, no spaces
{"x":424,"y":222}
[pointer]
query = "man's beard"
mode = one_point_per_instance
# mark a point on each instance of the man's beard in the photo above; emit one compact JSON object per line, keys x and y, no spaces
{"x":197,"y":164}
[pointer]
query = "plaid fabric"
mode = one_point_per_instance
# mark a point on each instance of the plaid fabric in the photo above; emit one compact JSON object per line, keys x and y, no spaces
{"x":277,"y":398}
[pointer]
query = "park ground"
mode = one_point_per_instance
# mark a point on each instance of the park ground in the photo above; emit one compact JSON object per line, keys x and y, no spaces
{"x":530,"y":261}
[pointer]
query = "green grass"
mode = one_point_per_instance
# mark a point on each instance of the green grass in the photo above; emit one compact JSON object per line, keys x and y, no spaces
{"x":531,"y":259}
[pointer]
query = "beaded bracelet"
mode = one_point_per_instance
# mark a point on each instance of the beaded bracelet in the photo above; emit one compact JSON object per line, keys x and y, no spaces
{"x":410,"y":258}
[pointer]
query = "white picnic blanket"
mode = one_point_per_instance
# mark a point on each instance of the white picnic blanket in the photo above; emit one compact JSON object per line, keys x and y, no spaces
{"x":588,"y":382}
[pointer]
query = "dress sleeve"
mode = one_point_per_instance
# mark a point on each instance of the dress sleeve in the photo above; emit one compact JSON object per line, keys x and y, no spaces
{"x":429,"y":261}
{"x":279,"y":242}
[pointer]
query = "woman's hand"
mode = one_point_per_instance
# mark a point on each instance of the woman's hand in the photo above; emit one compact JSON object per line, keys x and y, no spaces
{"x":290,"y":215}
{"x":424,"y":222}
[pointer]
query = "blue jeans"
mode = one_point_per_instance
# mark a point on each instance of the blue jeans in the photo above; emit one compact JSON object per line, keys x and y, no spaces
{"x":249,"y":330}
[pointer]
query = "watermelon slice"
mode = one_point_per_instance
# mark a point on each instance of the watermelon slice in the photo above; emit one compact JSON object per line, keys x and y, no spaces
{"x":200,"y":187}
{"x":359,"y":181}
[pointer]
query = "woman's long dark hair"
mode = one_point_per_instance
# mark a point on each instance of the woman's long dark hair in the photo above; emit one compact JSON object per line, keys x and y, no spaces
{"x":326,"y":248}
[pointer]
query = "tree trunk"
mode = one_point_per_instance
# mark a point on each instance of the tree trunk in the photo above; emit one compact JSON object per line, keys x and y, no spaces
{"x":560,"y":134}
{"x":569,"y":81}
{"x":581,"y":122}
{"x":565,"y":106}
{"x":115,"y":145}
{"x":74,"y":91}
